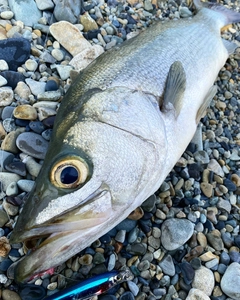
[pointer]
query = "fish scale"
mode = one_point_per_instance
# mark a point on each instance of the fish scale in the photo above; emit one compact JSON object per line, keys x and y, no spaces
{"x":121,"y":128}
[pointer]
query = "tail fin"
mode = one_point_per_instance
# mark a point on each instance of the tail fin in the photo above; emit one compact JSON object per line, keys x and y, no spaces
{"x":230,"y":15}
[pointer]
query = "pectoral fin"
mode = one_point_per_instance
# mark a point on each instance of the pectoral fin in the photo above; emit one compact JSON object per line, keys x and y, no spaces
{"x":175,"y":86}
{"x":211,"y":93}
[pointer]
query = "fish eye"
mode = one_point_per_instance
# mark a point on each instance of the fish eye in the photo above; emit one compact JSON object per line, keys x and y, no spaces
{"x":69,"y":173}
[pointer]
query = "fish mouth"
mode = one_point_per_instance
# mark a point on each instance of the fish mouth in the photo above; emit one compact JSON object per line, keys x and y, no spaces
{"x":52,"y":243}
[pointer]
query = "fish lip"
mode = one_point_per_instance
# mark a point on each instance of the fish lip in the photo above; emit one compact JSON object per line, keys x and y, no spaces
{"x":57,"y":234}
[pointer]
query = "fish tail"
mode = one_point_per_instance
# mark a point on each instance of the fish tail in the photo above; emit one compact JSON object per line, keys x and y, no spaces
{"x":230,"y":15}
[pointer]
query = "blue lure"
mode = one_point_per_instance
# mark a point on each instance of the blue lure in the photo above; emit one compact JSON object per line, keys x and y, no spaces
{"x":92,"y":287}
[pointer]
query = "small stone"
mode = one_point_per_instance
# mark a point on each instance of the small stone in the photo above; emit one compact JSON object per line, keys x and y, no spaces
{"x":9,"y":142}
{"x":202,"y":239}
{"x":214,"y":238}
{"x":175,"y":232}
{"x":196,"y":294}
{"x":52,"y":286}
{"x":22,"y":90}
{"x":26,"y":11}
{"x":88,"y":22}
{"x":224,"y":205}
{"x":207,"y":189}
{"x":215,"y":167}
{"x":57,"y":54}
{"x":44,"y":4}
{"x":3,"y":81}
{"x":11,"y":209}
{"x":51,"y":85}
{"x":201,"y":157}
{"x":167,"y":265}
{"x":133,"y":287}
{"x":154,"y":242}
{"x":7,"y":178}
{"x":204,"y":280}
{"x":12,"y":190}
{"x":137,"y":214}
{"x":188,"y":272}
{"x":3,"y":65}
{"x":6,"y":96}
{"x":25,"y":112}
{"x":73,"y":42}
{"x":36,"y":87}
{"x":86,"y":259}
{"x":4,"y":246}
{"x":81,"y":60}
{"x":31,"y":65}
{"x":32,"y":144}
{"x":50,"y":95}
{"x":25,"y":185}
{"x":230,"y":283}
{"x":121,"y":235}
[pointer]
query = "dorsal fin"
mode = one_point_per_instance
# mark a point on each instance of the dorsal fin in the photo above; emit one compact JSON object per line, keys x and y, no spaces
{"x":175,"y":86}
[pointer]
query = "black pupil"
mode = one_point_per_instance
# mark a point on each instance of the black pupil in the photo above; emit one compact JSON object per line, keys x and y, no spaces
{"x":69,"y":175}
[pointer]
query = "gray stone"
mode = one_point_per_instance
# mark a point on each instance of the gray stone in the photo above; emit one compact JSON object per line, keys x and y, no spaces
{"x":25,"y":185}
{"x":26,"y":11}
{"x":44,"y":4}
{"x":7,"y":178}
{"x":36,"y":87}
{"x":230,"y":283}
{"x":67,"y":10}
{"x":224,"y":205}
{"x":32,"y":144}
{"x":175,"y":232}
{"x":167,"y":265}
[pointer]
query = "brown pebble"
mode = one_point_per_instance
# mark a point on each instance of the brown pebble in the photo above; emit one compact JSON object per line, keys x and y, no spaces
{"x":86,"y":259}
{"x":217,"y":276}
{"x":137,"y":214}
{"x":218,"y":179}
{"x":207,"y":189}
{"x":25,"y":112}
{"x":217,"y":292}
{"x":2,"y":132}
{"x":195,"y":252}
{"x":181,"y":215}
{"x":132,"y":260}
{"x":118,"y":247}
{"x":202,"y":239}
{"x":4,"y":246}
{"x":10,"y":295}
{"x":235,"y":179}
{"x":193,"y":241}
{"x":207,"y":256}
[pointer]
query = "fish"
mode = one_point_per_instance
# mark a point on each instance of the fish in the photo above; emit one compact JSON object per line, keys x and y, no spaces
{"x":120,"y":129}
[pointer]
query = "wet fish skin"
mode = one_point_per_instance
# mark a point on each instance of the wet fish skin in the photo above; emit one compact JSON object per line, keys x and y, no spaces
{"x":110,"y":122}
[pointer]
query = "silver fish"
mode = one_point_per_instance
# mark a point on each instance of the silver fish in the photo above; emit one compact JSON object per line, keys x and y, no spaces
{"x":120,"y":129}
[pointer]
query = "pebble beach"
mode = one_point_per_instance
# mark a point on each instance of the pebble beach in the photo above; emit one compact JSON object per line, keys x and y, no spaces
{"x":184,"y":241}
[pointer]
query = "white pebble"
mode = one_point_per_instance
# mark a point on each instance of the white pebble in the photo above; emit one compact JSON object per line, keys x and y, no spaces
{"x":3,"y":278}
{"x":31,"y":65}
{"x":3,"y":65}
{"x":7,"y":15}
{"x":3,"y":81}
{"x":6,"y":96}
{"x":57,"y":54}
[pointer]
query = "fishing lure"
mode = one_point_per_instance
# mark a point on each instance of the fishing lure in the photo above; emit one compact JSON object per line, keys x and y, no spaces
{"x":92,"y":287}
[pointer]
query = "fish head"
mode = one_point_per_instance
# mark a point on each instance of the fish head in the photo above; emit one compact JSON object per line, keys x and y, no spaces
{"x":96,"y":172}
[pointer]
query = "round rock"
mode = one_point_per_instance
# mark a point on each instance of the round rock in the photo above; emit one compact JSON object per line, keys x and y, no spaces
{"x":230,"y":283}
{"x":32,"y":144}
{"x":25,"y":112}
{"x":204,"y":280}
{"x":175,"y":232}
{"x":195,"y":294}
{"x":6,"y":96}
